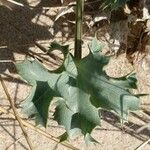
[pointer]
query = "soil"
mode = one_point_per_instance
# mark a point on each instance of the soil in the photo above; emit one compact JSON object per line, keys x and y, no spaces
{"x":20,"y":31}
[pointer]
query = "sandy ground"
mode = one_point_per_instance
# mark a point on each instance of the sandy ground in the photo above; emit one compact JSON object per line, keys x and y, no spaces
{"x":36,"y":25}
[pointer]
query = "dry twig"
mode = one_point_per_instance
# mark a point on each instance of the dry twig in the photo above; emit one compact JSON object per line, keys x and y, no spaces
{"x":17,"y":140}
{"x":40,"y":131}
{"x":143,"y":144}
{"x":16,"y":114}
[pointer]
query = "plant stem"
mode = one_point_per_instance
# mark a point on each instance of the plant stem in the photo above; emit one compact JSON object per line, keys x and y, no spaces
{"x":78,"y":30}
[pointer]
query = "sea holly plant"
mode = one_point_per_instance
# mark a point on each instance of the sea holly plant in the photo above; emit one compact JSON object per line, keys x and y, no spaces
{"x":82,"y":88}
{"x":80,"y":85}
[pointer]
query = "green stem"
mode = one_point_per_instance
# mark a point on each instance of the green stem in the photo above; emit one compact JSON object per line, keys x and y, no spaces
{"x":78,"y":31}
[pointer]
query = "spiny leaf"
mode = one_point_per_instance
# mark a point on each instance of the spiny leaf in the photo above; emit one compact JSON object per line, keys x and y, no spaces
{"x":127,"y":82}
{"x":33,"y":71}
{"x":106,"y":94}
{"x":89,"y":139}
{"x":55,"y":46}
{"x":63,"y":137}
{"x":95,"y":46}
{"x":76,"y":110}
{"x":63,"y":115}
{"x":37,"y":103}
{"x":70,"y":66}
{"x":82,"y":88}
